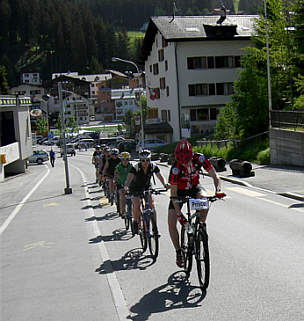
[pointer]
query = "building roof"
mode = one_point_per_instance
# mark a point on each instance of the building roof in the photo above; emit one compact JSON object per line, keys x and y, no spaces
{"x":186,"y":28}
{"x":158,"y":128}
{"x":89,"y":78}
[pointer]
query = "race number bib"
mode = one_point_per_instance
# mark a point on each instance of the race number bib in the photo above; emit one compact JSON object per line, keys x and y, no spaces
{"x":197,"y":204}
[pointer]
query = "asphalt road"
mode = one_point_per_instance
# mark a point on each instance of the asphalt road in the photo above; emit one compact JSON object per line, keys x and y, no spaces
{"x":68,"y":257}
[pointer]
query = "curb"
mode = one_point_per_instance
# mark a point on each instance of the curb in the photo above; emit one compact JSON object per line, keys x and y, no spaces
{"x":292,"y":196}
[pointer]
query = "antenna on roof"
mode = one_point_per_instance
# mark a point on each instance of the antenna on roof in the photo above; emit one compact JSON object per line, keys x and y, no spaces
{"x":223,"y":14}
{"x":174,"y":11}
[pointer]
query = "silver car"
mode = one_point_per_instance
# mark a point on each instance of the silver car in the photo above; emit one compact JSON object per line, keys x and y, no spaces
{"x":38,"y":157}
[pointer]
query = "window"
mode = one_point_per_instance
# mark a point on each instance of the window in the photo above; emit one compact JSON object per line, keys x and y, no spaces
{"x":227,"y":62}
{"x":220,"y":89}
{"x":169,"y":115}
{"x":155,"y":69}
{"x":228,"y":89}
{"x":162,"y":83}
{"x":211,"y":88}
{"x":166,"y":65}
{"x":164,"y":116}
{"x":164,"y":42}
{"x":213,"y":113}
{"x":193,"y":114}
{"x":203,"y":114}
{"x":167,"y":91}
{"x":161,"y":55}
{"x":198,"y":90}
{"x":150,"y":68}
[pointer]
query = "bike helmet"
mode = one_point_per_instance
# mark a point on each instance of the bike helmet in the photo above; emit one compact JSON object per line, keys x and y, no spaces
{"x":114,"y":151}
{"x":145,"y":154}
{"x":125,"y":156}
{"x":97,"y":147}
{"x":183,"y":152}
{"x":103,"y":145}
{"x":106,"y":149}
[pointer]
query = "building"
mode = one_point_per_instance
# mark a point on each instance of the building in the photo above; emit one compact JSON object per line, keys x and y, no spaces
{"x":15,"y":134}
{"x":124,"y":100}
{"x":191,"y":63}
{"x":78,"y":107}
{"x":31,"y":78}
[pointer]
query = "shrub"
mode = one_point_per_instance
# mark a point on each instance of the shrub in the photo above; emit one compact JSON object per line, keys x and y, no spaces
{"x":263,"y":156}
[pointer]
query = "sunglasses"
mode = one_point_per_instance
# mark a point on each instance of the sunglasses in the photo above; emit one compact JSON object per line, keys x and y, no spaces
{"x":145,"y":160}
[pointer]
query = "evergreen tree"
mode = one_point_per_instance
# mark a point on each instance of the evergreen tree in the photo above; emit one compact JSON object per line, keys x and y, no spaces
{"x":3,"y":82}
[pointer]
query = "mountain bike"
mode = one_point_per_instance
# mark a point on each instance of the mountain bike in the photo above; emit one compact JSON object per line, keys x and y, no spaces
{"x":147,"y":227}
{"x":194,"y":237}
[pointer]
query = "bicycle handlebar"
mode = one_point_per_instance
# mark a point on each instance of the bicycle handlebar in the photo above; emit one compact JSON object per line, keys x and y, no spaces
{"x":212,"y":198}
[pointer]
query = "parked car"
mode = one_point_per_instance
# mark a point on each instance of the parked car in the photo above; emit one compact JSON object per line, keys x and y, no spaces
{"x":127,"y":145}
{"x":70,"y":150}
{"x":88,"y":142}
{"x":38,"y":157}
{"x":111,"y":141}
{"x":151,"y":144}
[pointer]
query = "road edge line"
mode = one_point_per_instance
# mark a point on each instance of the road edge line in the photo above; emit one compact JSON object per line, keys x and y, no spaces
{"x":118,"y":297}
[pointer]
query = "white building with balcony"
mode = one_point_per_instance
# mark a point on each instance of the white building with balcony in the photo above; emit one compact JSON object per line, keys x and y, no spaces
{"x":78,"y":107}
{"x":15,"y":134}
{"x":31,"y":78}
{"x":124,"y":100}
{"x":191,"y":63}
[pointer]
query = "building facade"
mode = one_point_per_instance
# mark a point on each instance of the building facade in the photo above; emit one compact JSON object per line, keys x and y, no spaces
{"x":191,"y":64}
{"x":31,"y":78}
{"x":15,"y":134}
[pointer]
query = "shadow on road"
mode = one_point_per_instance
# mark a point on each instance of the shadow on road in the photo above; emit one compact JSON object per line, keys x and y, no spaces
{"x":176,"y":294}
{"x":117,"y":235}
{"x":33,"y":201}
{"x":108,"y":217}
{"x":131,"y":260}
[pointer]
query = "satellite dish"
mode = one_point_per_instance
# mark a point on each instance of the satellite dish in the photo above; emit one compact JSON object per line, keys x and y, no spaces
{"x":35,"y":112}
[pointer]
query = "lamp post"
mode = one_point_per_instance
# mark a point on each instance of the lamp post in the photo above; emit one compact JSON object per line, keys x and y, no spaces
{"x":268,"y":66}
{"x":68,"y":189}
{"x":115,"y":59}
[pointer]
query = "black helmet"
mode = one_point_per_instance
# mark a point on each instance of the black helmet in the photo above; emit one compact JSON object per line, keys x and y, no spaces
{"x":145,"y":153}
{"x":97,"y":147}
{"x":114,"y":151}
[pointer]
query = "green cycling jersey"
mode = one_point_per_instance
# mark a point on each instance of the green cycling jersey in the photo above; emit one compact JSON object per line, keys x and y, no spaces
{"x":122,"y":173}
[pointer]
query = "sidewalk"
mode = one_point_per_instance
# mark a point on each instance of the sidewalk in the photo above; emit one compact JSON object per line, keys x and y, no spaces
{"x":283,"y":180}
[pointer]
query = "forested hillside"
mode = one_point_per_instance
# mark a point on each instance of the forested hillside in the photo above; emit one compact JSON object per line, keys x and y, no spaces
{"x":82,"y":35}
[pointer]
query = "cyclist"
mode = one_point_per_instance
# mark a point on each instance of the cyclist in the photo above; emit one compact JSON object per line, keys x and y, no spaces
{"x":95,"y":161}
{"x":109,"y":169}
{"x":120,"y":176}
{"x":184,"y":181}
{"x":139,"y":180}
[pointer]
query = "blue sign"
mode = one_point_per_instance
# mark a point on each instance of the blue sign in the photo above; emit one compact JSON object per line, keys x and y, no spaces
{"x":50,"y":135}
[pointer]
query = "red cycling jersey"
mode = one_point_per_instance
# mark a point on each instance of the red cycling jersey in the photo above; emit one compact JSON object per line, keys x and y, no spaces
{"x":187,"y":177}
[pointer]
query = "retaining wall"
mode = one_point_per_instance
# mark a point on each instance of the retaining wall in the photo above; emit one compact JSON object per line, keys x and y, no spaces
{"x":286,"y":147}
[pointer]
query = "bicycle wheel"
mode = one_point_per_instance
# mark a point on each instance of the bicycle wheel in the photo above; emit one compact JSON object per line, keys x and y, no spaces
{"x":202,"y":258}
{"x":128,"y":215}
{"x":142,"y":233}
{"x":153,"y":236}
{"x":187,"y":249}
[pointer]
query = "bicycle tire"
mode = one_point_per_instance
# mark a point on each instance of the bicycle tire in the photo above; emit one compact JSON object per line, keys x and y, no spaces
{"x":142,"y":234}
{"x":187,"y":250}
{"x":202,"y":258}
{"x":153,"y":237}
{"x":128,"y":216}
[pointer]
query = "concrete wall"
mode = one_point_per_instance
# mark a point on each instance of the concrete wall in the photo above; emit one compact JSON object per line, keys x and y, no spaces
{"x":286,"y":147}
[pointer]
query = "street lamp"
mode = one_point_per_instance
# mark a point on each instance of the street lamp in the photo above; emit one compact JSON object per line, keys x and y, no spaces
{"x":268,"y":66}
{"x":68,"y":189}
{"x":115,"y":59}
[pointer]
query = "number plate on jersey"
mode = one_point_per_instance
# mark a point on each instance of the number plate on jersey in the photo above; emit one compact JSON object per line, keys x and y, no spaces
{"x":198,"y":204}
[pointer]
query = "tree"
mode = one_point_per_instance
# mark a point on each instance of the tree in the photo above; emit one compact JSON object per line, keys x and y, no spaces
{"x":3,"y":82}
{"x":58,"y":123}
{"x":41,"y":125}
{"x":226,"y":123}
{"x":72,"y":124}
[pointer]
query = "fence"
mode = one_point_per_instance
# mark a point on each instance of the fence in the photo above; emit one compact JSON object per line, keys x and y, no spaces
{"x":287,"y":119}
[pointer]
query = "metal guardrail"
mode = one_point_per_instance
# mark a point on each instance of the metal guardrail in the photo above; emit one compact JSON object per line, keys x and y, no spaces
{"x":287,"y":119}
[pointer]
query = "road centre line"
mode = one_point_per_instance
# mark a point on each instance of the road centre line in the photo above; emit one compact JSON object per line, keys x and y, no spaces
{"x":20,"y":205}
{"x":118,"y":298}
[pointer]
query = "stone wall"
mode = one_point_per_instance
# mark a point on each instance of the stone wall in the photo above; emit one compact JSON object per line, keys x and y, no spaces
{"x":286,"y":147}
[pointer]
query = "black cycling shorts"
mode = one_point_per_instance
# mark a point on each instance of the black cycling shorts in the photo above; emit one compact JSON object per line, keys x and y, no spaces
{"x":192,"y":192}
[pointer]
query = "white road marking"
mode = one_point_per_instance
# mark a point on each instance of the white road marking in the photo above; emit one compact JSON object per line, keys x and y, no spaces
{"x":260,"y":196}
{"x":245,"y":191}
{"x":20,"y":205}
{"x":119,"y":300}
